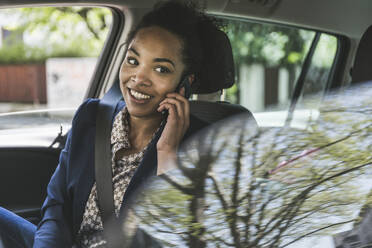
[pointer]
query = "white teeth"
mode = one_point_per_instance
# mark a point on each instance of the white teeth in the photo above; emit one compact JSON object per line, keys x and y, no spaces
{"x":138,"y":95}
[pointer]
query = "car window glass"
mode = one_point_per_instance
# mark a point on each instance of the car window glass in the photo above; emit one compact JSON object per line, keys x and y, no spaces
{"x":47,"y":58}
{"x":268,"y":61}
{"x":315,"y":83}
{"x":241,"y":186}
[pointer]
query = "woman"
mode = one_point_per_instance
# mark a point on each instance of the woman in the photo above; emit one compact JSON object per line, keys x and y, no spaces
{"x":164,"y":49}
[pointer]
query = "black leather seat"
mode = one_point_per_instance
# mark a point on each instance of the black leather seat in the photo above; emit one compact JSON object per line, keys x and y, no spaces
{"x":362,"y":71}
{"x":217,"y":74}
{"x":212,"y":112}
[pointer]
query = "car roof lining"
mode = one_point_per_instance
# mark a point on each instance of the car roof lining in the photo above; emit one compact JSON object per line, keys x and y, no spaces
{"x":333,"y":17}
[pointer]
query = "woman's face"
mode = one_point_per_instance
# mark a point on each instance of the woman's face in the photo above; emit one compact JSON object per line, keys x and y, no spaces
{"x":152,"y":68}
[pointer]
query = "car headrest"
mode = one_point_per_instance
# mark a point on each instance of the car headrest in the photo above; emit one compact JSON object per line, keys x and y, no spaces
{"x":361,"y":71}
{"x":218,"y":65}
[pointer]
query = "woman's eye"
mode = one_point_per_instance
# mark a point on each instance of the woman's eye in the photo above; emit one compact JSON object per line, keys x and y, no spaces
{"x":162,"y":69}
{"x":132,"y":61}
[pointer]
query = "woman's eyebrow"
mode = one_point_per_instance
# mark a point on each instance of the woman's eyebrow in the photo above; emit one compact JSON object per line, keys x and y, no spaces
{"x":164,"y":60}
{"x":134,"y":51}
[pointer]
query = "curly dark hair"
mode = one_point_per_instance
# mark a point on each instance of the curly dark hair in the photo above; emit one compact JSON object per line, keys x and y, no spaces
{"x":188,"y":22}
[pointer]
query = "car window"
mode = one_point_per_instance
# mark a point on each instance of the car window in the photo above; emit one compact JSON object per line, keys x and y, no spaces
{"x":241,"y":186}
{"x":269,"y":59}
{"x":47,"y":59}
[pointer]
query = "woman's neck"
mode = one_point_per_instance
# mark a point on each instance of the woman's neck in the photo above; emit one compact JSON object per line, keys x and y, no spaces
{"x":142,"y":129}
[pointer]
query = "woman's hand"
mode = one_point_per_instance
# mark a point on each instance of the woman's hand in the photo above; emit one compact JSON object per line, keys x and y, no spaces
{"x":178,"y":121}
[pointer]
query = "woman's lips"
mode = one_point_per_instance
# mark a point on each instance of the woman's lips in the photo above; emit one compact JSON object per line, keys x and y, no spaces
{"x":138,"y":96}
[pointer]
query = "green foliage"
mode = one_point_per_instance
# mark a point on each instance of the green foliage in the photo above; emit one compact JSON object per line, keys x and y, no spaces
{"x":19,"y":54}
{"x":54,"y":32}
{"x":232,"y":93}
{"x":24,"y":54}
{"x":267,"y":44}
{"x":272,"y":45}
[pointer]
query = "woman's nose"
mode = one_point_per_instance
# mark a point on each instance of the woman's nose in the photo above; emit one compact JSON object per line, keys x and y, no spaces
{"x":141,"y":76}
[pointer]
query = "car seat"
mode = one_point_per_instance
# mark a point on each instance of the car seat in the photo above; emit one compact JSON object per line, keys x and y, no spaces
{"x":217,"y":74}
{"x":361,"y":70}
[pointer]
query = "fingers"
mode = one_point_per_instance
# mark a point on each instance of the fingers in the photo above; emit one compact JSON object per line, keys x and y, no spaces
{"x":177,"y":123}
{"x":172,"y":110}
{"x":178,"y":108}
{"x":179,"y":97}
{"x":176,"y":117}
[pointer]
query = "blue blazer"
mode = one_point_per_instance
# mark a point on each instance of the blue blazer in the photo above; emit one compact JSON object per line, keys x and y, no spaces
{"x":71,"y":183}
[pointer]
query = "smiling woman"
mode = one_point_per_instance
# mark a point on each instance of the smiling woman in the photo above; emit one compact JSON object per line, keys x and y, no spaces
{"x":164,"y":50}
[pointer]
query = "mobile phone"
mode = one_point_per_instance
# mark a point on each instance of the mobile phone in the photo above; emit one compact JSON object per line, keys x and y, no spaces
{"x":183,"y":84}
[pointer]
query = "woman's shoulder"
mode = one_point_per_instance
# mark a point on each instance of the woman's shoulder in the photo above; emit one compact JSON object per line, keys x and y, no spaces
{"x":86,"y":111}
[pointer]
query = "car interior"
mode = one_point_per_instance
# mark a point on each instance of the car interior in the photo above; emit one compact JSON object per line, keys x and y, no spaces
{"x":25,"y":170}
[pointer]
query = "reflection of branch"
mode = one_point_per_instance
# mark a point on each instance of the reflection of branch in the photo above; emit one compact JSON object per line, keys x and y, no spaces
{"x":348,"y":110}
{"x":306,"y":153}
{"x":277,"y":219}
{"x":183,"y":189}
{"x":300,"y":199}
{"x":317,"y":230}
{"x":262,"y":210}
{"x":330,"y":187}
{"x":164,"y":231}
{"x":231,"y":215}
{"x":234,"y":198}
{"x":291,"y":215}
{"x":251,"y":187}
{"x":157,"y":218}
{"x":273,"y":146}
{"x":340,"y":174}
{"x":215,"y":238}
{"x":204,"y":152}
{"x":196,"y":230}
{"x":187,"y":172}
{"x":218,"y":192}
{"x":165,"y":210}
{"x":150,"y":222}
{"x":320,"y":208}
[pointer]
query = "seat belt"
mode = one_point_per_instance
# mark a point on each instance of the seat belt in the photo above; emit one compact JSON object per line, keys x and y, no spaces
{"x":102,"y":154}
